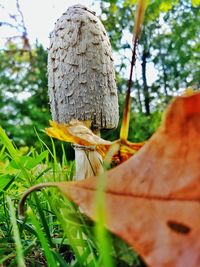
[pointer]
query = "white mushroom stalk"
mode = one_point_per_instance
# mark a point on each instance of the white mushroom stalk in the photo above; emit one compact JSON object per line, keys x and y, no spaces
{"x":88,"y":161}
{"x":81,"y":78}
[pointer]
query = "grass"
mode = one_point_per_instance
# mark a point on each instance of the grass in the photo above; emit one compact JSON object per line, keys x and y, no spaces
{"x":54,"y":231}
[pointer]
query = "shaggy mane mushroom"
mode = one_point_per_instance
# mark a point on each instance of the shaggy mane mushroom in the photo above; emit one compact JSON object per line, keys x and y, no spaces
{"x":81,"y":79}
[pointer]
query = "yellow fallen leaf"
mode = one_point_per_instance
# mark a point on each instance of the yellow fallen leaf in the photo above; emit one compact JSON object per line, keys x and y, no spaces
{"x":77,"y":132}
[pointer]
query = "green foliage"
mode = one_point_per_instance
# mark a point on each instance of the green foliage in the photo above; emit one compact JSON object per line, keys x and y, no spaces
{"x":141,"y":126}
{"x":195,"y":3}
{"x":177,"y":49}
{"x":169,"y":42}
{"x":16,"y":236}
{"x":23,"y":93}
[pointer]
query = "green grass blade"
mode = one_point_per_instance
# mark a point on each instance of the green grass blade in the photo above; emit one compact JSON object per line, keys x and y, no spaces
{"x":44,"y":242}
{"x":43,"y":143}
{"x":13,"y":152}
{"x":5,"y":182}
{"x":7,"y":257}
{"x":2,"y":151}
{"x":100,"y":231}
{"x":27,"y":250}
{"x":43,"y":219}
{"x":42,"y":173}
{"x":61,"y":261}
{"x":16,"y":236}
{"x":8,"y":144}
{"x":55,"y":163}
{"x":104,"y":241}
{"x":64,"y":157}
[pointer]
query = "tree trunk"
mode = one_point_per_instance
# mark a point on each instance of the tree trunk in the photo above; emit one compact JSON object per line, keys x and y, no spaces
{"x":139,"y":101}
{"x":162,"y":57}
{"x":145,"y":86}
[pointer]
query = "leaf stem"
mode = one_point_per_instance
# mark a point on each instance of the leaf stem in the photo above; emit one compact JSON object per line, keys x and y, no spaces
{"x":26,"y":194}
{"x":141,"y":7}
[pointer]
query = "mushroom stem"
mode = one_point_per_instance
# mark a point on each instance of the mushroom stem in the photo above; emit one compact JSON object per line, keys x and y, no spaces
{"x":88,"y":162}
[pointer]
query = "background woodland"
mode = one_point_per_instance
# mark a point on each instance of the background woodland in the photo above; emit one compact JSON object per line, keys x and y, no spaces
{"x":169,"y":43}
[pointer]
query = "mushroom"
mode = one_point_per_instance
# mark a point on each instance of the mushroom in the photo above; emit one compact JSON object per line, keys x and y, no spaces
{"x":81,"y":80}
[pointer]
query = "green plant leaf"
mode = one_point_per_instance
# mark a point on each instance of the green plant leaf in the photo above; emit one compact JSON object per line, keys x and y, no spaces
{"x":29,"y":162}
{"x":5,"y":181}
{"x":195,"y":3}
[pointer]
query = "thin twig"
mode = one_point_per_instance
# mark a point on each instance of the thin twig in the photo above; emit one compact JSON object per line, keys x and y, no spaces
{"x":25,"y":32}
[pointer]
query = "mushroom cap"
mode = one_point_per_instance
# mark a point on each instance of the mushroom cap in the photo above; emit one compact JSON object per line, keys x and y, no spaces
{"x":81,"y":76}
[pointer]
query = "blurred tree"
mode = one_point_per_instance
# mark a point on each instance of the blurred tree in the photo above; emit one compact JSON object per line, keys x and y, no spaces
{"x":23,"y":82}
{"x":177,"y":49}
{"x":169,"y":43}
{"x":16,"y":22}
{"x":23,"y":87}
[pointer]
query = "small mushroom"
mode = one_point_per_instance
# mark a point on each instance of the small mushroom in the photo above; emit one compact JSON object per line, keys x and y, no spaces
{"x":81,"y":79}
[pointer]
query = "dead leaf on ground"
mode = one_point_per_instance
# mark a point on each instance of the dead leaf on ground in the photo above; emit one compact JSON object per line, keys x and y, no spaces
{"x":77,"y":132}
{"x":152,"y":200}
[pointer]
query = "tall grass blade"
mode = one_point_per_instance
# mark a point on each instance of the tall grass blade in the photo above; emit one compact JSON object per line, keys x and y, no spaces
{"x":43,"y":219}
{"x":44,"y":242}
{"x":100,"y":231}
{"x":102,"y":235}
{"x":104,"y":240}
{"x":13,"y":152}
{"x":16,"y":236}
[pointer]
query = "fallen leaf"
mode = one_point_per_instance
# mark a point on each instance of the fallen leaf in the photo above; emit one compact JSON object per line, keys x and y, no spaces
{"x":77,"y":132}
{"x":152,"y":200}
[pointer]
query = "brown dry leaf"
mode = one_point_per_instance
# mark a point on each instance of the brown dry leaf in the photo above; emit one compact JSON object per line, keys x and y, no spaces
{"x":152,"y":200}
{"x":126,"y":150}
